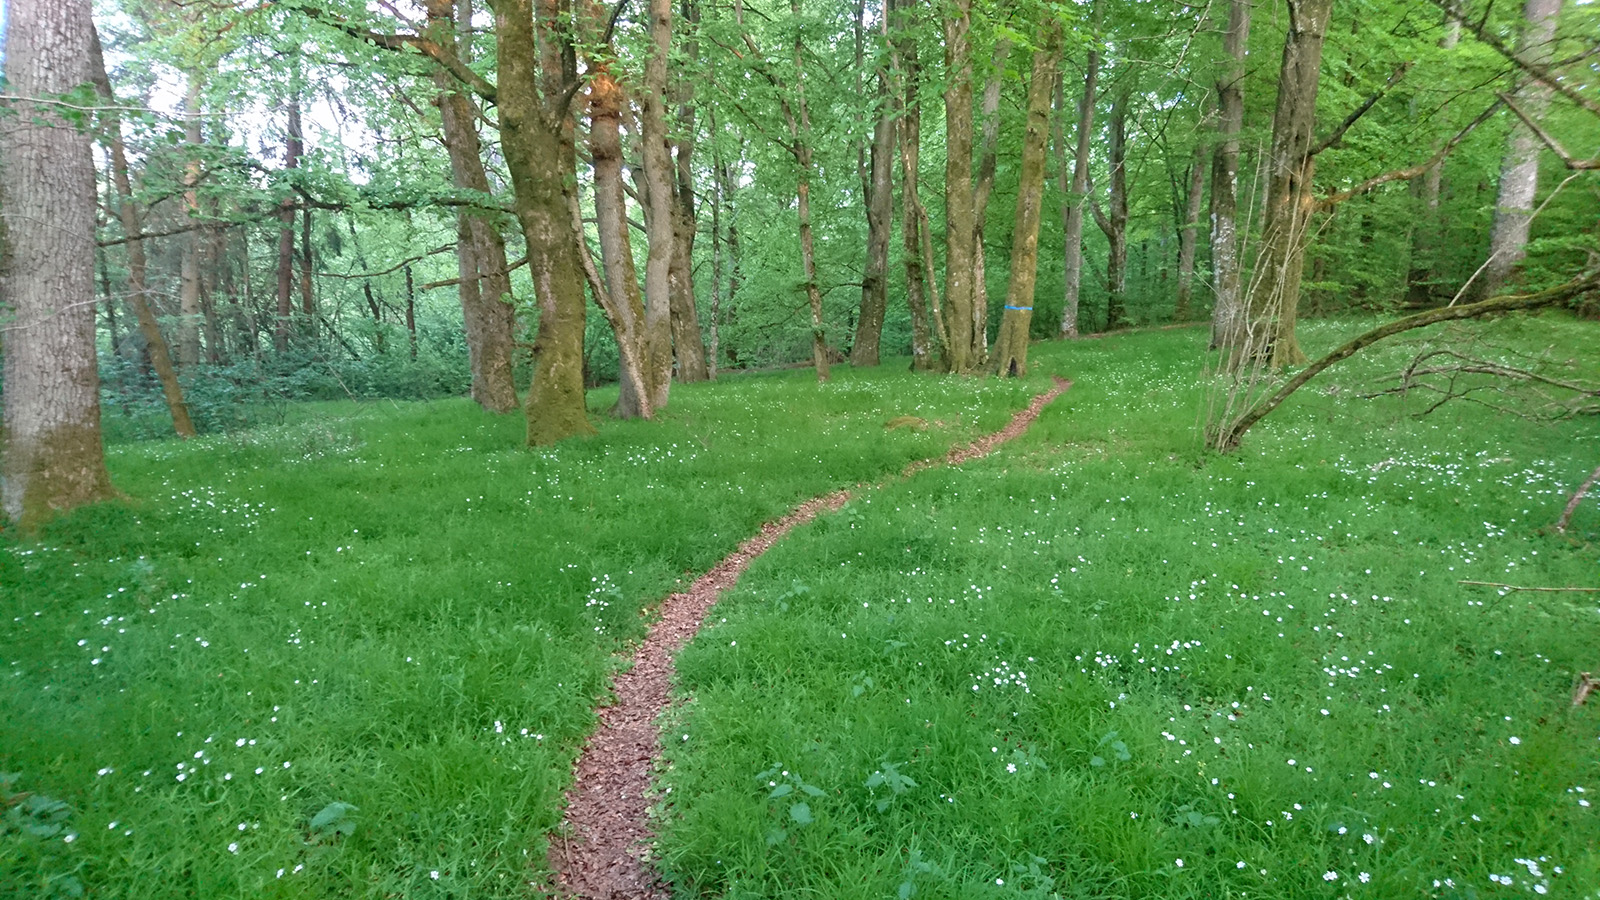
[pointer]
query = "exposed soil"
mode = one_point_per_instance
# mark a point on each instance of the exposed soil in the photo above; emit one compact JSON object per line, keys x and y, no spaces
{"x":604,"y":848}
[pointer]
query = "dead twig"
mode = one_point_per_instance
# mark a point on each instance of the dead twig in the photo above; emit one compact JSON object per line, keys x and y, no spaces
{"x":1548,"y":590}
{"x":1577,"y":497}
{"x":1586,"y":685}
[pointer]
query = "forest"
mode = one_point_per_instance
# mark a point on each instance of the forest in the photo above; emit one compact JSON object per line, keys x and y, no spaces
{"x":582,"y":448}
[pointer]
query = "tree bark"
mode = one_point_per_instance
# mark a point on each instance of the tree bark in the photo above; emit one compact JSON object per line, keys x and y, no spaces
{"x":659,"y":203}
{"x":1428,"y":237}
{"x":989,"y":113}
{"x":909,"y":109}
{"x":621,"y":302}
{"x":1077,"y":194}
{"x":189,"y":242}
{"x":132,"y":228}
{"x":1519,"y":169}
{"x":1227,"y":316}
{"x":800,"y":133}
{"x":484,"y":286}
{"x":294,"y":147}
{"x":962,"y":353}
{"x":51,"y":455}
{"x":1274,"y":300}
{"x":1011,"y":344}
{"x":1115,"y":221}
{"x":879,"y":184}
{"x":687,"y":343}
{"x":1188,"y":234}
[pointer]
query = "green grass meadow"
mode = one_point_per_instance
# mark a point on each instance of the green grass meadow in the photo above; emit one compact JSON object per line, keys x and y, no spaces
{"x":354,"y":655}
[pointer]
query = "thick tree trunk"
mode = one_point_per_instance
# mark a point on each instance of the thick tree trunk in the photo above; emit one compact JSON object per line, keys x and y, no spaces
{"x":688,"y":345}
{"x":909,"y":109}
{"x":1274,"y":299}
{"x":1519,"y":169}
{"x":294,"y":147}
{"x":1011,"y":344}
{"x":879,"y":184}
{"x":487,"y":316}
{"x":962,"y":353}
{"x":189,"y":243}
{"x":622,"y":303}
{"x":1227,"y":316}
{"x":51,"y":456}
{"x":1077,"y":194}
{"x":1188,"y":234}
{"x":132,"y":228}
{"x":1115,"y":221}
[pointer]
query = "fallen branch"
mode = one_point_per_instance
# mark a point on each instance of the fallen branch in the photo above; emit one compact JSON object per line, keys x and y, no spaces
{"x":1586,"y":684}
{"x":1231,"y":434}
{"x":1577,"y":497}
{"x":1543,"y":590}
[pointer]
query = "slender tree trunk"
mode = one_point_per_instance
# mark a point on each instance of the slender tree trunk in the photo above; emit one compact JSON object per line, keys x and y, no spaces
{"x":989,"y":112}
{"x":189,"y":243}
{"x":1115,"y":221}
{"x":411,"y":311}
{"x":1519,"y":169}
{"x":688,"y":344}
{"x":1274,"y":300}
{"x":484,"y":284}
{"x":712,"y":359}
{"x":132,"y":228}
{"x":1428,"y":237}
{"x":1077,"y":195}
{"x":1227,"y":315}
{"x":1011,"y":344}
{"x":51,"y":454}
{"x":622,"y":303}
{"x":1188,"y":235}
{"x":909,"y":109}
{"x":294,"y":147}
{"x":308,"y":303}
{"x":879,"y":184}
{"x":658,"y":200}
{"x":727,"y":191}
{"x":961,"y":353}
{"x":800,"y":133}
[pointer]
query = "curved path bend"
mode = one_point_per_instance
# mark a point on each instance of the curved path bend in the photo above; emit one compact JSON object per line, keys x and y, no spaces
{"x":603,"y":850}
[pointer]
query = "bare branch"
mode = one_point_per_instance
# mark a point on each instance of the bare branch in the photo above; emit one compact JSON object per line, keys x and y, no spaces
{"x":1333,"y":200}
{"x":1577,"y":165}
{"x":1333,"y":139}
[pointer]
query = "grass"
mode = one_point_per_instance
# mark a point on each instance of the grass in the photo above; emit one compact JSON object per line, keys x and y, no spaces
{"x":354,"y":655}
{"x":1102,"y":665}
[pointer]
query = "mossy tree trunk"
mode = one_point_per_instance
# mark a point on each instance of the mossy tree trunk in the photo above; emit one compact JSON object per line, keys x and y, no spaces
{"x":1077,"y":193}
{"x":961,"y":354}
{"x":909,"y":107}
{"x":1227,"y":316}
{"x":51,"y":456}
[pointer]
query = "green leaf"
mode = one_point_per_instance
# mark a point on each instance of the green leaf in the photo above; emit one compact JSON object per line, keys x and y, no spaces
{"x":813,"y":790}
{"x":1097,"y":761}
{"x":800,"y":813}
{"x":782,"y":790}
{"x":907,"y":889}
{"x":331,"y":815}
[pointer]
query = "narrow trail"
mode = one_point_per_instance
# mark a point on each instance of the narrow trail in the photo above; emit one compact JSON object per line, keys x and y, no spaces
{"x":604,"y":854}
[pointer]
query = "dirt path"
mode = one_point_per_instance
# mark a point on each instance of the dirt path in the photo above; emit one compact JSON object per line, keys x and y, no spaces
{"x":605,"y":852}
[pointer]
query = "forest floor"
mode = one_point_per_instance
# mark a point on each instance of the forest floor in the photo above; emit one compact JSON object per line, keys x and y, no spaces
{"x":358,"y":654}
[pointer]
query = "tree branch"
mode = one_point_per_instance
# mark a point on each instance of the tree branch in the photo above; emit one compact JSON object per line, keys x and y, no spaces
{"x":1537,"y":71}
{"x":1332,"y":200}
{"x":1332,"y":140}
{"x":1577,"y":165}
{"x":440,"y":54}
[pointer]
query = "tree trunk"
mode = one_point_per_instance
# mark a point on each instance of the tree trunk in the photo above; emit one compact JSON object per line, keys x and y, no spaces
{"x":688,"y":344}
{"x":487,"y":316}
{"x":294,"y":147}
{"x":1188,"y":234}
{"x":308,"y":303}
{"x":800,"y":133}
{"x":1077,"y":194}
{"x":1274,"y":300}
{"x":1115,"y":221}
{"x":411,"y":311}
{"x":51,"y":455}
{"x":909,"y":109}
{"x":961,"y":354}
{"x":1428,"y":237}
{"x":1227,"y":316}
{"x":1519,"y":169}
{"x":659,"y":201}
{"x":717,"y":178}
{"x":879,"y":184}
{"x":622,"y":304}
{"x":989,"y":112}
{"x":189,"y":242}
{"x":1011,"y":344}
{"x":132,"y":228}
{"x":536,"y":140}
